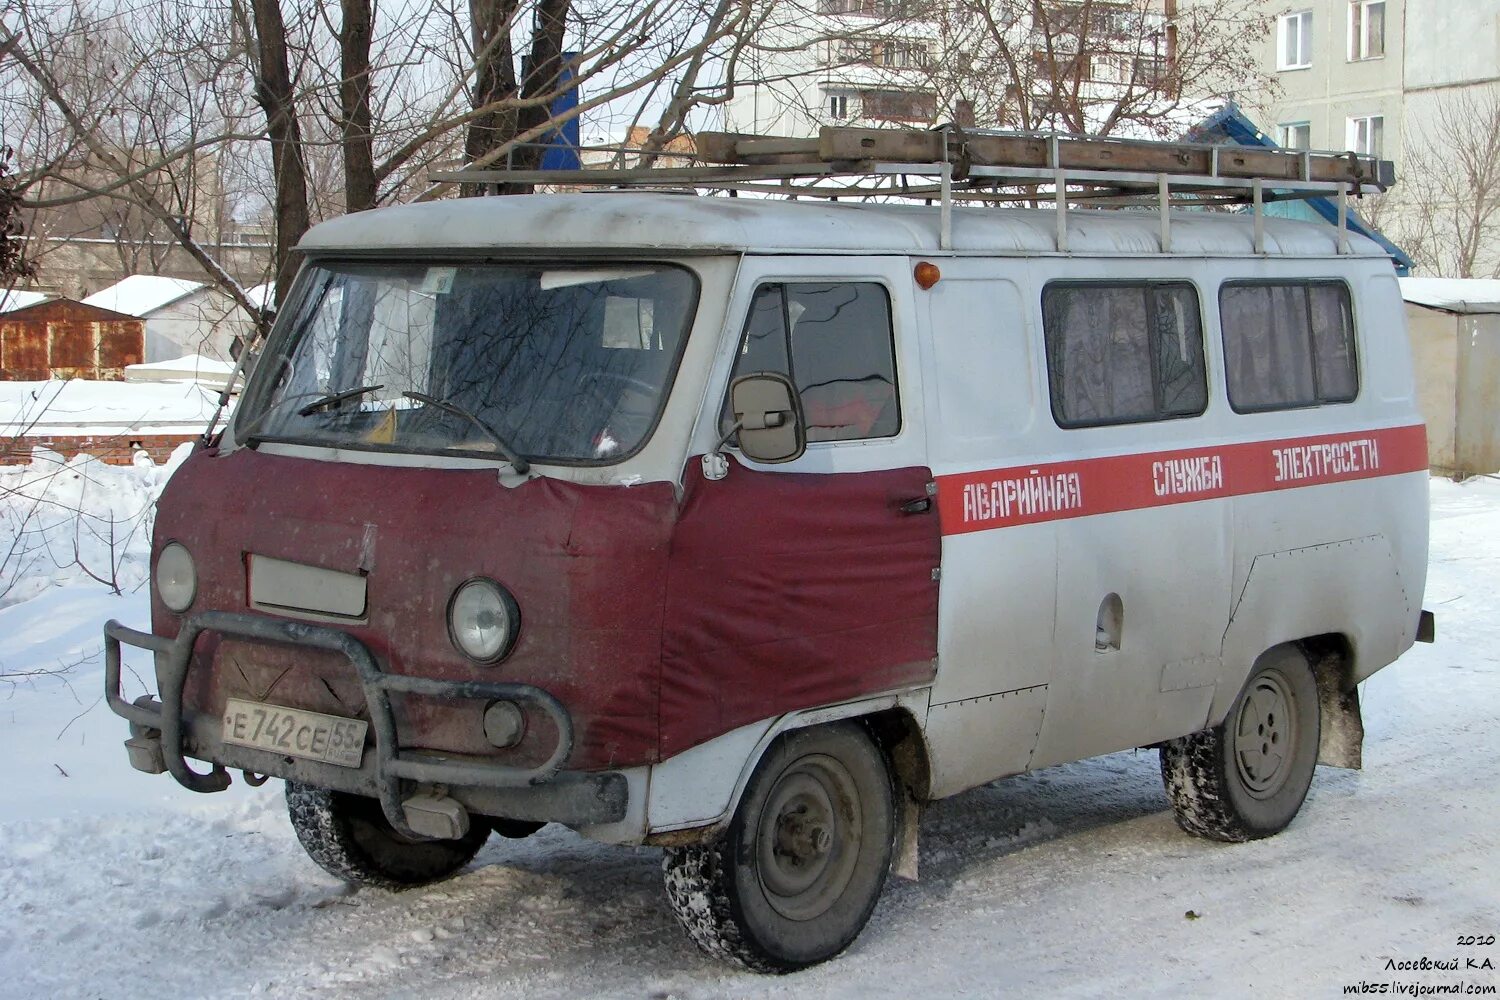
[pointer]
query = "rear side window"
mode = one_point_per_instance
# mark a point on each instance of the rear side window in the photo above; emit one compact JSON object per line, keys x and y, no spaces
{"x":1288,"y":345}
{"x":833,"y":339}
{"x":1123,"y":352}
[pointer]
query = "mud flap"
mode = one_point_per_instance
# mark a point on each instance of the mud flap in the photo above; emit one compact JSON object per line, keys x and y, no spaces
{"x":908,"y":819}
{"x":1343,"y":729}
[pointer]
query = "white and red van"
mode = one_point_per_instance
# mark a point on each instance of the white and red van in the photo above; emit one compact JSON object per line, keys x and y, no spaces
{"x":744,"y":528}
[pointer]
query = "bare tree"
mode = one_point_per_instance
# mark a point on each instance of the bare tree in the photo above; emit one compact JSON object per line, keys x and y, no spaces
{"x":331,"y":117}
{"x":1101,"y":67}
{"x":1447,"y":206}
{"x":13,"y":261}
{"x":1104,"y":67}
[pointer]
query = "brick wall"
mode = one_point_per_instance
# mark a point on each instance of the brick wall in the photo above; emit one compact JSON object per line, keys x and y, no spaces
{"x":116,"y":449}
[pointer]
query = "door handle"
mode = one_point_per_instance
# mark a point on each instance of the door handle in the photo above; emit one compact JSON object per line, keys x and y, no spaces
{"x":920,"y":505}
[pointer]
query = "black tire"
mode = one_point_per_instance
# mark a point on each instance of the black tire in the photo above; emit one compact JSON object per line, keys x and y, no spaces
{"x":1247,"y":777}
{"x":350,"y":838}
{"x":797,"y":874}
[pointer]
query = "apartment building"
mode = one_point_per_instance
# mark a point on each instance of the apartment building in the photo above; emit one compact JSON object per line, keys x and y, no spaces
{"x":820,"y":62}
{"x":907,"y":62}
{"x":1400,"y":79}
{"x":1339,"y":67}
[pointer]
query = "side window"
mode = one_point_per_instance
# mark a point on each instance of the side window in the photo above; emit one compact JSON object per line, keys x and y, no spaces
{"x":1288,"y":345}
{"x":834,"y":340}
{"x":1123,"y":353}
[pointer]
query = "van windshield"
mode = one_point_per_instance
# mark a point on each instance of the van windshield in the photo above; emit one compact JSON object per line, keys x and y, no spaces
{"x":566,"y":364}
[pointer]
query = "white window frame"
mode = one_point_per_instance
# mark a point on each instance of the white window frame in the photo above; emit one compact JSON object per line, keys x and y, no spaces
{"x":1300,"y":23}
{"x":1359,"y":30}
{"x":838,"y":105}
{"x":1286,"y":130}
{"x":1361,"y":143}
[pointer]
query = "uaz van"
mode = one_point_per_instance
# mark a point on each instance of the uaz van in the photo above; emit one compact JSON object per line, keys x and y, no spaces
{"x":746,"y":527}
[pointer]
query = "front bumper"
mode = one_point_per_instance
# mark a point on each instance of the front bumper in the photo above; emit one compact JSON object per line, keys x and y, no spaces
{"x":545,"y":792}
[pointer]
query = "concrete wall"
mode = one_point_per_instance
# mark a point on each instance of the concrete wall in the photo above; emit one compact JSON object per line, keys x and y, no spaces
{"x":1434,"y":351}
{"x":1452,"y":42}
{"x":1478,"y":436}
{"x":1457,"y":367}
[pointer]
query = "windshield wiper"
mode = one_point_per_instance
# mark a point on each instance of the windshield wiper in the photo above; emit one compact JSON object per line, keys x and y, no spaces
{"x":520,"y":464}
{"x":334,"y":398}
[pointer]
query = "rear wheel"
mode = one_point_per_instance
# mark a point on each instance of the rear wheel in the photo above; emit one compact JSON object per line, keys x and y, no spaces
{"x":796,"y":876}
{"x":350,"y":838}
{"x":1247,"y":778}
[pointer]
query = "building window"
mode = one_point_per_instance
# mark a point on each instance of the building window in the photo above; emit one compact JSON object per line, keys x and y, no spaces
{"x":1367,"y":135}
{"x":886,"y":53}
{"x":838,"y":106}
{"x":1294,"y":40}
{"x":834,"y":341}
{"x":872,"y":8}
{"x":1288,"y":345}
{"x":1119,"y":21}
{"x":1123,"y":353}
{"x":1366,"y":29}
{"x":1294,"y":135}
{"x":898,"y":105}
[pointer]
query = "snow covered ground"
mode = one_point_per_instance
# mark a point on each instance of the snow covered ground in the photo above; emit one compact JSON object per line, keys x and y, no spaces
{"x":1070,"y":882}
{"x":82,"y":406}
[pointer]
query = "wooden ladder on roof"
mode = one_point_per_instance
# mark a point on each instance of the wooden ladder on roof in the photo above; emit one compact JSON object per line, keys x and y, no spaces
{"x":949,"y":163}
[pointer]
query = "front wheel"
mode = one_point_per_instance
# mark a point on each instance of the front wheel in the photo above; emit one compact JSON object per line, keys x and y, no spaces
{"x":1247,"y":777}
{"x":797,"y":874}
{"x":350,"y":838}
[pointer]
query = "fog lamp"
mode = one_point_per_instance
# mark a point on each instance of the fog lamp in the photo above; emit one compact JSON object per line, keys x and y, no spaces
{"x":504,"y":724}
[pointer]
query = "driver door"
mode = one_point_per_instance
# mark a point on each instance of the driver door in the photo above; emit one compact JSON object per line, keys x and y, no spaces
{"x":809,"y":582}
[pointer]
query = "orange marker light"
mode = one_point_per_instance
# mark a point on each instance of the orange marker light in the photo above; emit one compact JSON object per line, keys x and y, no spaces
{"x":927,"y":274}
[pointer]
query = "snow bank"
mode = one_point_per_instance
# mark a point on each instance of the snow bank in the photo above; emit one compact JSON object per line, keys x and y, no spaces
{"x":79,"y":406}
{"x":64,"y":523}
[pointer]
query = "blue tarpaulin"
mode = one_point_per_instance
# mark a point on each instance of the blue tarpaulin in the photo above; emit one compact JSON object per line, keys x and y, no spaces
{"x":562,"y":141}
{"x":1230,"y":126}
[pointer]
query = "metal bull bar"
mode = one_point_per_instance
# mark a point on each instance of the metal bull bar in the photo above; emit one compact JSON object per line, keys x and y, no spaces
{"x":175,"y":656}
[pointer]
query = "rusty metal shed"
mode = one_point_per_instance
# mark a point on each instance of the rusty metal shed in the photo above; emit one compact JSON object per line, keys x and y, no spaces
{"x":64,"y":338}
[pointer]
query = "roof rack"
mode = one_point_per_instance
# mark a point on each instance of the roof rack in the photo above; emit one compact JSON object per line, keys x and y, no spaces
{"x":950,"y":163}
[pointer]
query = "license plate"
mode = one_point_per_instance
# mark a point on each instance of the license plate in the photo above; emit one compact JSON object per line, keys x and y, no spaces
{"x":295,"y":732}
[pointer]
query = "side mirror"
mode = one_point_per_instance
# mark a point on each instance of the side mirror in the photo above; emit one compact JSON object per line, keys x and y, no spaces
{"x":768,"y":416}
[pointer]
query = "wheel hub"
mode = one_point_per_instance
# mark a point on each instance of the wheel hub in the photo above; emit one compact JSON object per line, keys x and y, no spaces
{"x":808,"y":838}
{"x":1264,"y":736}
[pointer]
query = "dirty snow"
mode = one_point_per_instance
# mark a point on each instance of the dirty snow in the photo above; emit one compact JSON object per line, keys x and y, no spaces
{"x":1070,"y":882}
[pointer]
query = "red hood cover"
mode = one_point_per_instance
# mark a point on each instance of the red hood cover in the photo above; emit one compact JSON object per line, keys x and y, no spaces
{"x":760,"y":593}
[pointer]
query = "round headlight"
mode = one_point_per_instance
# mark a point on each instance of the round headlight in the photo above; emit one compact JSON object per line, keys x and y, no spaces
{"x":176,"y":577}
{"x":482,"y":620}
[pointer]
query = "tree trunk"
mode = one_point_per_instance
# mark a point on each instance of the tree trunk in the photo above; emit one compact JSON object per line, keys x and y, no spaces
{"x":543,"y":73}
{"x":354,"y":105}
{"x":273,"y":92}
{"x":494,"y":80}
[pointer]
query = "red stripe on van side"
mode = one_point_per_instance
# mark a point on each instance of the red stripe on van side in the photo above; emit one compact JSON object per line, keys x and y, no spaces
{"x":1026,"y":494}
